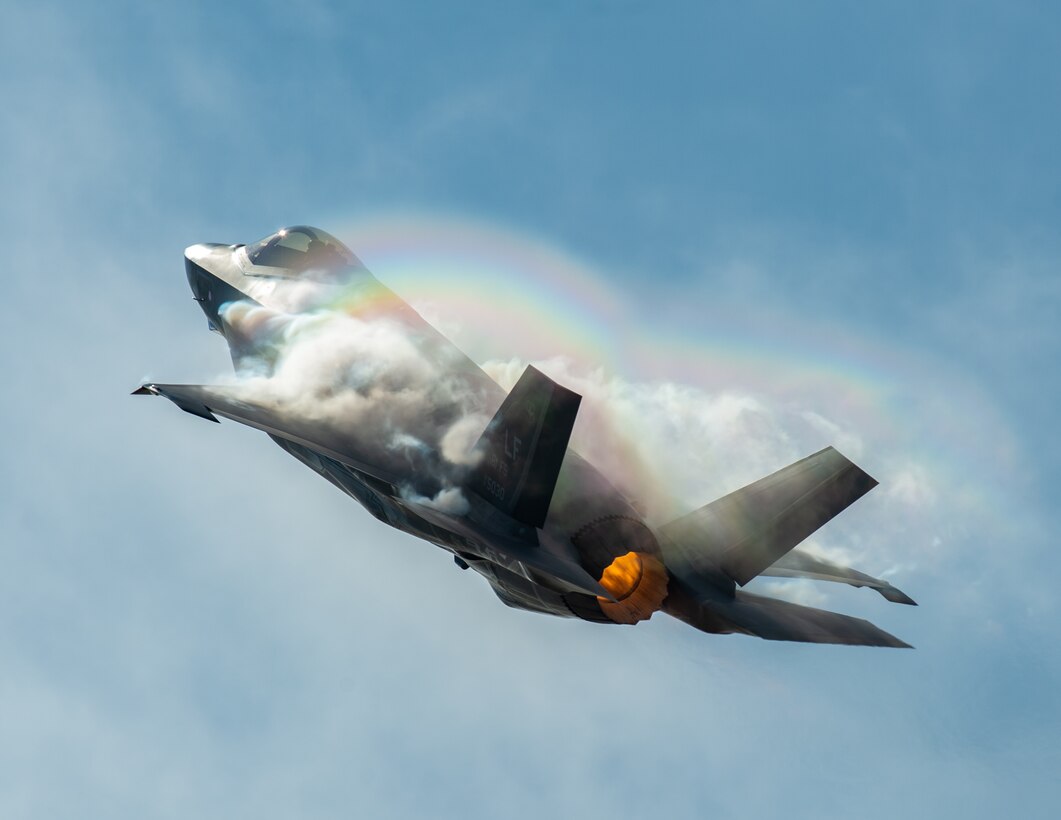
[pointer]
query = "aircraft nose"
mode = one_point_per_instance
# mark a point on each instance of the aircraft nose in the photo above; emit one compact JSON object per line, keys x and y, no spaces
{"x":202,"y":251}
{"x":203,"y":264}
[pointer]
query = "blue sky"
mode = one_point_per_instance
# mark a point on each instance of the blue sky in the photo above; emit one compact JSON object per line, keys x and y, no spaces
{"x":816,"y":220}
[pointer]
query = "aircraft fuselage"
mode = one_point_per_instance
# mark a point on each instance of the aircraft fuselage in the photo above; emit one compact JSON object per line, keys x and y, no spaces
{"x":548,"y":531}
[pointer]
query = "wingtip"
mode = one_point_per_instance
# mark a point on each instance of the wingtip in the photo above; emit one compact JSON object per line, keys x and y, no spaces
{"x":886,"y":640}
{"x":896,"y":595}
{"x":179,"y":395}
{"x":894,"y":642}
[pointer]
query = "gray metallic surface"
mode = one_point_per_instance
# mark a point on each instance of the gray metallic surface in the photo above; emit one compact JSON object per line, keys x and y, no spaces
{"x":748,"y":530}
{"x":799,"y":564}
{"x":541,"y":523}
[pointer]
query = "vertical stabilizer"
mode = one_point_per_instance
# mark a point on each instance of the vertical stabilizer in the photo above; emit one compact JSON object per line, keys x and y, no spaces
{"x":747,"y":531}
{"x":523,"y":447}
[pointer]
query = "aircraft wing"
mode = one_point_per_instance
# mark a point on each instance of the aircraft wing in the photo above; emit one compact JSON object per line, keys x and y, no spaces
{"x":208,"y":402}
{"x":771,"y":619}
{"x":747,"y":531}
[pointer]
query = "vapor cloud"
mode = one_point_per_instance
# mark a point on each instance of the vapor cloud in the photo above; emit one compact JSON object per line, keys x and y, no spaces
{"x":673,"y":447}
{"x":668,"y":447}
{"x":372,"y":379}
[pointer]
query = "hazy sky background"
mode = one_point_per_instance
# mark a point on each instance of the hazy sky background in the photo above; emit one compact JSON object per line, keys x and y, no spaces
{"x":790,"y":224}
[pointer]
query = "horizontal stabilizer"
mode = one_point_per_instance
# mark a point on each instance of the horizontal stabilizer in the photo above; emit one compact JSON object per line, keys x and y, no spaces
{"x":772,"y":619}
{"x":800,"y":564}
{"x":747,"y":531}
{"x":236,"y":404}
{"x":523,"y":448}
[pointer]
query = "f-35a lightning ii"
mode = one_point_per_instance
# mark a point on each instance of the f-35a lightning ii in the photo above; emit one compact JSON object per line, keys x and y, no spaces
{"x":547,"y":530}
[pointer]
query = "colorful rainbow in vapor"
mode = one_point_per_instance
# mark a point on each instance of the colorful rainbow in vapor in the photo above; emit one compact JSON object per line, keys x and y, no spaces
{"x":488,"y":277}
{"x":500,"y":293}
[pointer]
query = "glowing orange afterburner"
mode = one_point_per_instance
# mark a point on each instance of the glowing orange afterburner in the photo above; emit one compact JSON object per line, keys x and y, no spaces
{"x":639,"y":582}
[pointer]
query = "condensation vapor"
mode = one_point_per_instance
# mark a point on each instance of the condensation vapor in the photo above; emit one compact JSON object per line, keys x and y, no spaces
{"x":374,"y":380}
{"x":671,"y":447}
{"x":668,"y":447}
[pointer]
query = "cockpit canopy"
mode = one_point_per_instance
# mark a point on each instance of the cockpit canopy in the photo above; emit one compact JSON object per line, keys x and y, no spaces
{"x":299,"y":249}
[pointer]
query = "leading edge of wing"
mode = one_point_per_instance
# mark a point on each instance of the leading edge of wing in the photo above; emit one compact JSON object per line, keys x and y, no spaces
{"x":208,"y":402}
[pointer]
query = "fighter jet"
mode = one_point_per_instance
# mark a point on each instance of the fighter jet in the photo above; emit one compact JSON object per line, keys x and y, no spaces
{"x":547,"y":530}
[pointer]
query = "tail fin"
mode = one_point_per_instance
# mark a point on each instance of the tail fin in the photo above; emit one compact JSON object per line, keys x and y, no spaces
{"x":746,"y":531}
{"x":523,"y":447}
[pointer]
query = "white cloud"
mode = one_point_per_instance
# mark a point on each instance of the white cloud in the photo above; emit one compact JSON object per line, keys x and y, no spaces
{"x":911,"y":486}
